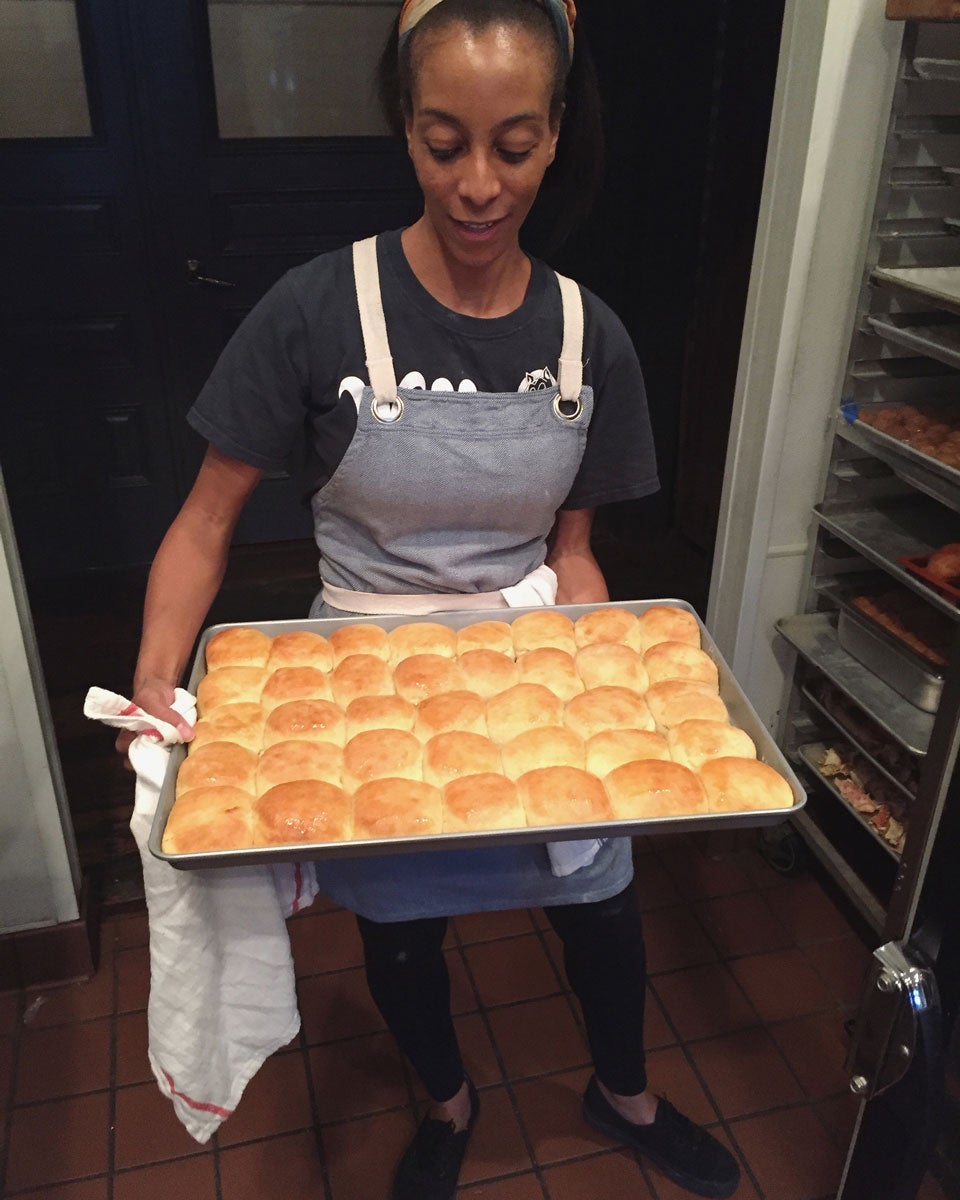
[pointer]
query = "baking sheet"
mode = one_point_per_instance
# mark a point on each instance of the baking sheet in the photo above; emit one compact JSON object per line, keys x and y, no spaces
{"x":904,"y":449}
{"x":741,"y":712}
{"x":812,"y":755}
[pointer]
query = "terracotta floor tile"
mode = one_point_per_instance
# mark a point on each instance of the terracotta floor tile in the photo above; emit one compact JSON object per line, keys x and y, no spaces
{"x":699,"y":876}
{"x":463,"y":998}
{"x":512,"y":969}
{"x":930,"y":1189}
{"x":539,"y":918}
{"x":790,"y":1154}
{"x":133,"y":979}
{"x":357,"y":1078}
{"x":337,"y":1005}
{"x":193,"y":1177}
{"x":7,"y":1059}
{"x":133,"y":1065}
{"x":675,"y":939}
{"x":518,"y":1187}
{"x":497,"y":1146}
{"x":668,"y":1190}
{"x":842,"y":965}
{"x":741,"y":924}
{"x":61,"y":1140}
{"x":782,"y":984}
{"x":65,"y":1060}
{"x":745,"y":1073}
{"x":276,"y":1100}
{"x":555,"y":951}
{"x":326,"y":941}
{"x":611,"y":1176}
{"x":807,"y":912}
{"x":839,"y":1115}
{"x":704,"y":1001}
{"x":816,"y":1049}
{"x":487,"y":926}
{"x":86,"y":1189}
{"x":9,"y":1012}
{"x":656,"y":1030}
{"x":361,"y":1156}
{"x":538,"y":1036}
{"x":550,"y":1109}
{"x":477,"y":1051}
{"x":670,"y":1074}
{"x":147,"y":1129}
{"x":655,"y":886}
{"x":283,"y":1166}
{"x":127,"y":931}
{"x":74,"y":1002}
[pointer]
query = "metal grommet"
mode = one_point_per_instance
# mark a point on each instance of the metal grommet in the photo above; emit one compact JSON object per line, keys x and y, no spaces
{"x":396,"y":410}
{"x":567,"y":416}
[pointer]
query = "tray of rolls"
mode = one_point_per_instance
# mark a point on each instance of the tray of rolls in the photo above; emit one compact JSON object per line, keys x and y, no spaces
{"x":337,"y":737}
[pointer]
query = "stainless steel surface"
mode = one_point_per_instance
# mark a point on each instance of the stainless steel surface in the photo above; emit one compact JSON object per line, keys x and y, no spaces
{"x":814,"y":636}
{"x":740,"y":709}
{"x":849,"y":882}
{"x":941,"y":285}
{"x":939,"y":340}
{"x":894,"y":664}
{"x":811,"y":755}
{"x":901,"y":448}
{"x":920,"y":471}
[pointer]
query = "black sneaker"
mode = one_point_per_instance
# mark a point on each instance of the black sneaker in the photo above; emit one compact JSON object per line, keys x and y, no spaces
{"x":684,"y":1152}
{"x":431,"y":1164}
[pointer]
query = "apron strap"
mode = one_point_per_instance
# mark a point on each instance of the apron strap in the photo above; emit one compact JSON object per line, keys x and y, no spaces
{"x":570,"y":377}
{"x":373,"y":323}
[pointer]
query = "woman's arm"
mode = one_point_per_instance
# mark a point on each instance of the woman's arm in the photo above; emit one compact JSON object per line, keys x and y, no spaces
{"x":579,"y":578}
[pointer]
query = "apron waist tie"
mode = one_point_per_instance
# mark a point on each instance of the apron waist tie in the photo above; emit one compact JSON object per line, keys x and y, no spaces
{"x":537,"y":588}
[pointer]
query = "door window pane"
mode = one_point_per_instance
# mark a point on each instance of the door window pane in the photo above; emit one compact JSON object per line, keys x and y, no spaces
{"x":42,"y":89}
{"x":298,"y":70}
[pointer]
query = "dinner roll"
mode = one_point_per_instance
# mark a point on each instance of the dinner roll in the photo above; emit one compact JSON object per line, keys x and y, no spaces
{"x":477,"y":802}
{"x":693,"y":742}
{"x":223,"y":764}
{"x":306,"y":810}
{"x":240,"y":723}
{"x":209,"y":819}
{"x":742,"y":785}
{"x":448,"y":712}
{"x":676,"y":700}
{"x":553,"y":668}
{"x":359,"y":639}
{"x":450,"y":755}
{"x":606,"y":708}
{"x":604,"y":664}
{"x":421,"y":637}
{"x":380,"y":712}
{"x":237,"y":647}
{"x":229,"y":685}
{"x":360,"y":675}
{"x":606,"y":625}
{"x":545,"y":746}
{"x":299,"y":648}
{"x":389,"y":808}
{"x":381,"y":754}
{"x":651,"y":788}
{"x":295,"y":683}
{"x":613,"y":747}
{"x":295,"y":761}
{"x":664,"y":623}
{"x":487,"y":672}
{"x":563,"y":796}
{"x":522,"y":707}
{"x":420,"y":676}
{"x":546,"y":627}
{"x":310,"y":720}
{"x":679,"y":660}
{"x":486,"y":635}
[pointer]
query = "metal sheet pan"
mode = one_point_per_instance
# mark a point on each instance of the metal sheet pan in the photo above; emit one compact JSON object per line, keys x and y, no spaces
{"x":741,"y":711}
{"x":812,"y":756}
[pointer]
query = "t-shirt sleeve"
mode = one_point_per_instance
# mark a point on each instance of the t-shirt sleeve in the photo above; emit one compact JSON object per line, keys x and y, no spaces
{"x":619,"y":462}
{"x":253,"y":406}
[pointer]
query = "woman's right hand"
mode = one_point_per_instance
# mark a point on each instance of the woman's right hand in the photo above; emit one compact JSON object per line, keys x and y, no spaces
{"x":155,"y":696}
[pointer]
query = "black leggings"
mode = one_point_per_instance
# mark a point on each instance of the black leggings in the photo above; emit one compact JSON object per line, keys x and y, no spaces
{"x":605,"y":961}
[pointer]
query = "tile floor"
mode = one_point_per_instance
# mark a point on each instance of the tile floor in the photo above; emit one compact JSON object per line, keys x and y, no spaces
{"x":752,"y":976}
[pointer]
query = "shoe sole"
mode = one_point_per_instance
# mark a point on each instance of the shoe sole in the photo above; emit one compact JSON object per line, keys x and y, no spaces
{"x":711,"y":1192}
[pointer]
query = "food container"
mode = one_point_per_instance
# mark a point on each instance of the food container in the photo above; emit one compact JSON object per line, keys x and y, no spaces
{"x":916,"y":564}
{"x":741,"y":713}
{"x":812,"y":756}
{"x":890,"y":659}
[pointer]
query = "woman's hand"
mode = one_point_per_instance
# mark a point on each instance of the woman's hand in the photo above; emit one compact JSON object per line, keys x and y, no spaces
{"x":155,"y":696}
{"x":579,"y":578}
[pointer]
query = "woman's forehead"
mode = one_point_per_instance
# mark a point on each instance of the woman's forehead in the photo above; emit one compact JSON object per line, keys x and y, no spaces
{"x":503,"y":69}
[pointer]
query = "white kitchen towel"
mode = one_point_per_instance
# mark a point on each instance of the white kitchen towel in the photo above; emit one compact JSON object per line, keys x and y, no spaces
{"x":222,"y":996}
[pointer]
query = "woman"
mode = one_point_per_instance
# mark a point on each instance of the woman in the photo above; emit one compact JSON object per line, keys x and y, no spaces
{"x":520,"y":408}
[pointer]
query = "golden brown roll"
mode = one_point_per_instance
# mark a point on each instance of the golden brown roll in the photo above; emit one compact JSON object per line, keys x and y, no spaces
{"x":478,"y":802}
{"x":522,"y":707}
{"x":546,"y":628}
{"x":614,"y":747}
{"x":421,"y":637}
{"x":451,"y":755}
{"x":451,"y":711}
{"x":651,"y":788}
{"x":380,"y":712}
{"x":299,"y":648}
{"x":563,"y":796}
{"x":676,"y":700}
{"x":606,"y":708}
{"x":229,"y":685}
{"x":309,"y":720}
{"x":359,"y":639}
{"x":486,"y":635}
{"x":605,"y":664}
{"x":295,"y":683}
{"x":240,"y":723}
{"x":237,"y":647}
{"x":679,"y":660}
{"x":360,"y":675}
{"x":209,"y":819}
{"x":553,"y":668}
{"x":297,"y":761}
{"x":694,"y":742}
{"x":545,"y":746}
{"x":381,"y":754}
{"x":743,"y":785}
{"x":218,"y":764}
{"x":302,"y":811}
{"x":605,"y":626}
{"x":487,"y":672}
{"x":420,"y":676}
{"x":388,"y":808}
{"x":664,"y":623}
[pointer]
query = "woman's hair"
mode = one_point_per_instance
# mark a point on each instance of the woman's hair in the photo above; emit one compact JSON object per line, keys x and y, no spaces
{"x":573,"y":179}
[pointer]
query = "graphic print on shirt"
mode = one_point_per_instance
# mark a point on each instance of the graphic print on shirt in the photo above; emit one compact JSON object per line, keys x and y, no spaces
{"x":533,"y":381}
{"x":537,"y":381}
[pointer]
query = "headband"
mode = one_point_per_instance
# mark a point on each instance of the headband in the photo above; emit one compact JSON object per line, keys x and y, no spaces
{"x":562,"y":13}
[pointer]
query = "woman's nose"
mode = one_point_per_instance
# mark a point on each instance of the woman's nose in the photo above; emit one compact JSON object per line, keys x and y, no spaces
{"x":479,"y":183}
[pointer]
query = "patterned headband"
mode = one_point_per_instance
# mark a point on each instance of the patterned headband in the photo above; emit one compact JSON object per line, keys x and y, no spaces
{"x":563,"y":14}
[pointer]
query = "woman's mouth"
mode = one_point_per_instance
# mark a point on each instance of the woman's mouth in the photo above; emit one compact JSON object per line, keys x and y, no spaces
{"x":478,"y":230}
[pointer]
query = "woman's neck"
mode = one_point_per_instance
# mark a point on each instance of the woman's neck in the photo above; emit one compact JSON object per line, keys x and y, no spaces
{"x":491,"y":290}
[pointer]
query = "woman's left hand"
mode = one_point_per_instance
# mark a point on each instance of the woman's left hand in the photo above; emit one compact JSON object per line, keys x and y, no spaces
{"x":579,"y":578}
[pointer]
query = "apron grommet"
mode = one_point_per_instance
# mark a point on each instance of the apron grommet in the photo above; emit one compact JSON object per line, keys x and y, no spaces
{"x":384,"y":420}
{"x":570,"y":416}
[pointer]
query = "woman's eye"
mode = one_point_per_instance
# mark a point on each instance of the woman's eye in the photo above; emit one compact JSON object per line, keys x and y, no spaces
{"x":514,"y":156}
{"x":443,"y":154}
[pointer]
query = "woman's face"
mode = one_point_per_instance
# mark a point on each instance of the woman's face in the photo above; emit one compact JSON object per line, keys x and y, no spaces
{"x":480,"y":136}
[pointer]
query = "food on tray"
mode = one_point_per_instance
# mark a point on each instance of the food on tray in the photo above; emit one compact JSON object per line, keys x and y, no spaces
{"x":238,"y":647}
{"x":910,"y":620}
{"x":743,"y":784}
{"x":867,"y":793}
{"x":944,"y":564}
{"x":901,"y":764}
{"x":932,"y":429}
{"x":540,"y":723}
